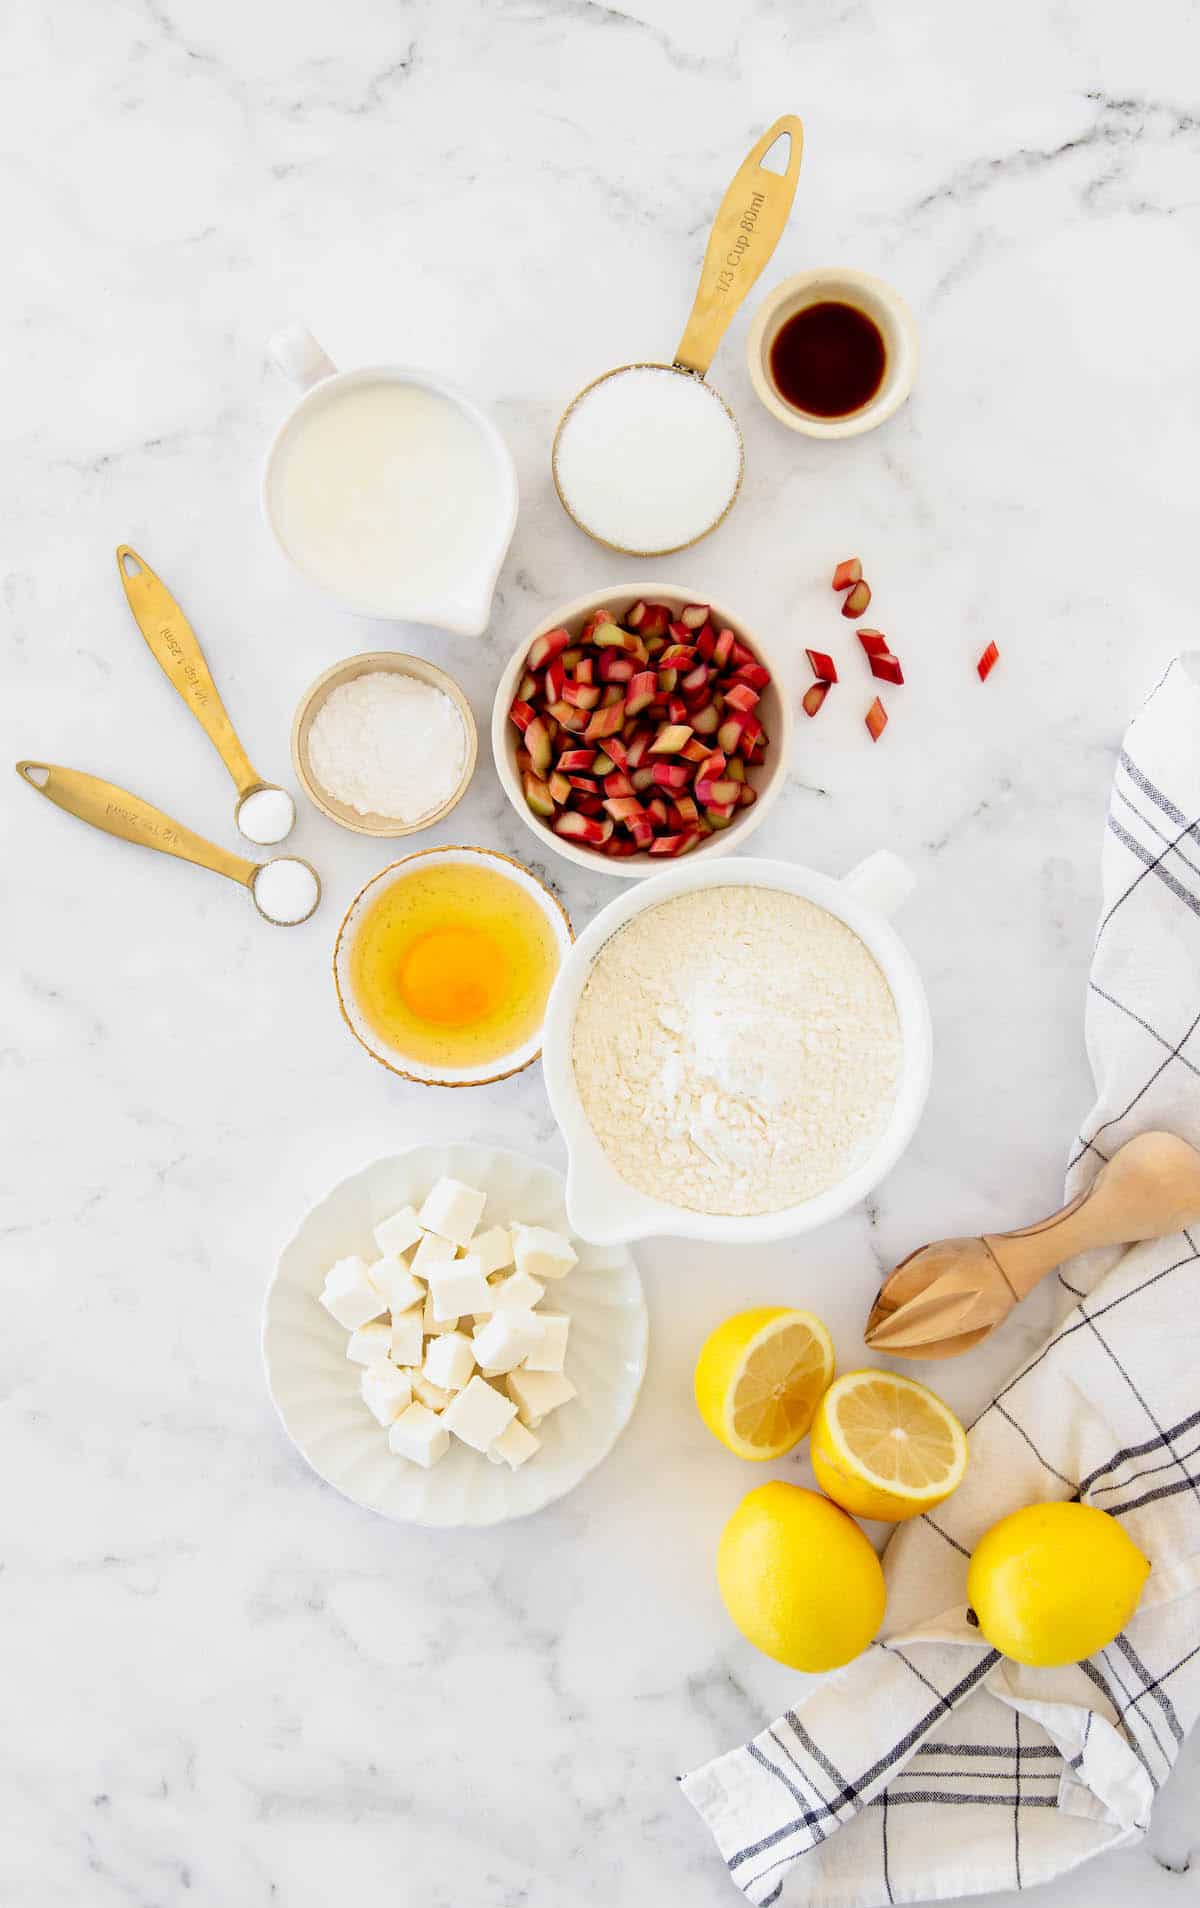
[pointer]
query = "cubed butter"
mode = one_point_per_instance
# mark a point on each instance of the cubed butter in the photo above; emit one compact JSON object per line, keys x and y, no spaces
{"x":504,"y":1341}
{"x":449,"y":1361}
{"x":349,"y":1295}
{"x":369,"y":1345}
{"x":458,"y":1287}
{"x":431,"y":1251}
{"x":452,"y":1210}
{"x":430,"y":1395}
{"x":516,"y":1293}
{"x":386,"y":1391}
{"x":493,"y":1249}
{"x":514,"y":1445}
{"x":430,"y":1321}
{"x":395,"y":1235}
{"x":542,"y":1253}
{"x":551,"y":1347}
{"x":478,"y":1414}
{"x":419,"y":1436}
{"x":407,"y":1337}
{"x":404,"y":1288}
{"x":537,"y":1392}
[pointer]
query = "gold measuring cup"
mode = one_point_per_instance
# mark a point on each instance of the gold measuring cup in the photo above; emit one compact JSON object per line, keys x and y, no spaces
{"x":116,"y":812}
{"x":173,"y":645}
{"x":746,"y":230}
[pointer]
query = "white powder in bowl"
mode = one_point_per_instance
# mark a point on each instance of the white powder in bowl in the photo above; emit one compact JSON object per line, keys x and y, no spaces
{"x":286,"y":890}
{"x":388,"y":744}
{"x":736,"y":1050}
{"x":648,"y":459}
{"x":266,"y":815}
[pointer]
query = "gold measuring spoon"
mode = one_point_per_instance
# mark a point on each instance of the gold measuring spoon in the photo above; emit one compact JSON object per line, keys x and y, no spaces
{"x":284,"y":897}
{"x":746,"y":230}
{"x":265,"y":813}
{"x":947,"y":1297}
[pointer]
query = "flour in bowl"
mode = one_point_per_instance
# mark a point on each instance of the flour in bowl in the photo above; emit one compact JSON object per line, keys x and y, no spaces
{"x":737,"y":1050}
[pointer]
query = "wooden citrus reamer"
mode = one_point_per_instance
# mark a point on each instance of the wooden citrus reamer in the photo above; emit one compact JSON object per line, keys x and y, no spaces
{"x":947,"y":1297}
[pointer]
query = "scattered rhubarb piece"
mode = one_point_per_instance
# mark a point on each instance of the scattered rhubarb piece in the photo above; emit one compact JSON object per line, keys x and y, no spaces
{"x":987,"y":662}
{"x":876,"y":719}
{"x":822,"y":667}
{"x":847,"y":573}
{"x":856,"y":599}
{"x":886,"y":667}
{"x":873,"y":641}
{"x":812,"y":699}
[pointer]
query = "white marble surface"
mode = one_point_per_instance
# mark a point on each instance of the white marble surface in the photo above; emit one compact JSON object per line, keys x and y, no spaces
{"x":225,"y":1684}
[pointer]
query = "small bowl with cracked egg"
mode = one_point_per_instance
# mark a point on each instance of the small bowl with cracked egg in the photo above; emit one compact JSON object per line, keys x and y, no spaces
{"x":738,"y":1052}
{"x":633,"y":728}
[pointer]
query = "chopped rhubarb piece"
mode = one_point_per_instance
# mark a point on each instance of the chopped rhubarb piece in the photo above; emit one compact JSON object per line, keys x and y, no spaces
{"x":576,"y":761}
{"x":667,"y":678}
{"x":527,"y":688}
{"x":812,"y":698}
{"x":657,"y":811}
{"x":617,"y":784}
{"x":584,"y":667}
{"x":740,"y":656}
{"x":743,"y":697}
{"x":521,"y":714}
{"x":586,"y":828}
{"x":706,"y":642}
{"x":641,"y":692}
{"x":560,"y":788}
{"x":652,"y":619}
{"x":747,"y":796}
{"x":592,"y":623}
{"x":524,"y":761}
{"x":571,"y":658}
{"x":612,"y":692}
{"x":822,"y":666}
{"x":642,"y":831}
{"x":856,"y":599}
{"x":636,"y":616}
{"x":847,"y":573}
{"x":670,"y":844}
{"x":670,"y":739}
{"x":873,"y":641}
{"x":544,"y":647}
{"x":720,"y":794}
{"x":537,"y":741}
{"x":713,"y":765}
{"x":538,"y":795}
{"x":678,"y":656}
{"x":642,"y":778}
{"x":623,"y":808}
{"x":723,"y":648}
{"x":739,"y":731}
{"x":612,"y":636}
{"x":576,"y":720}
{"x":602,"y":766}
{"x":614,"y":747}
{"x":987,"y":662}
{"x":876,"y":719}
{"x":619,"y":847}
{"x":718,"y":818}
{"x":677,"y":712}
{"x":582,"y":695}
{"x":696,"y":681}
{"x":636,"y":748}
{"x":706,"y":721}
{"x":556,"y":678}
{"x":686,"y":809}
{"x":679,"y":632}
{"x":584,"y":784}
{"x":672,"y":775}
{"x":695,"y":750}
{"x":753,"y":673}
{"x":588,"y":804}
{"x":886,"y":667}
{"x":614,"y":667}
{"x":694,"y":615}
{"x":606,"y":722}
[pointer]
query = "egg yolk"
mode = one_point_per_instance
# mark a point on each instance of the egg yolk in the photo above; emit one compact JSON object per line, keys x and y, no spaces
{"x":452,"y":976}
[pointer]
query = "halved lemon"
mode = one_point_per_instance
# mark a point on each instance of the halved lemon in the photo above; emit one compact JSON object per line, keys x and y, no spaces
{"x":884,"y":1446}
{"x":759,"y":1379}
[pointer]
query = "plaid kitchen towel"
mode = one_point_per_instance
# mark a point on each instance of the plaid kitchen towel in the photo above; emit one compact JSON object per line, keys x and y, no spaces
{"x":931,"y":1766}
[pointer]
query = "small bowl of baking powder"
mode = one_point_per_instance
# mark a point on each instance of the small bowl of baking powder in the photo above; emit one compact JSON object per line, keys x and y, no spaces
{"x":384,"y":743}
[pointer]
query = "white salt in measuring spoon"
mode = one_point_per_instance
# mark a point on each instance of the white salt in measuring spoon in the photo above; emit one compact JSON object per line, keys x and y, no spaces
{"x":265,"y":813}
{"x":659,"y":429}
{"x":285,"y":891}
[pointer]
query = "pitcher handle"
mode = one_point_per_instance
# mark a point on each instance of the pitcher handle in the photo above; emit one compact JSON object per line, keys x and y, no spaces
{"x":294,"y":351}
{"x":883,"y":882}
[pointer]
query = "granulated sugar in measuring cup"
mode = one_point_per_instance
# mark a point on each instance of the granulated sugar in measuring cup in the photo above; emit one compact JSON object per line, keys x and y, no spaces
{"x":648,"y":458}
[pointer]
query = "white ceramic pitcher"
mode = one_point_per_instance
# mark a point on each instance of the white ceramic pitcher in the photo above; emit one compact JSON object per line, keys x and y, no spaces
{"x":464,"y":608}
{"x":601,"y":1205}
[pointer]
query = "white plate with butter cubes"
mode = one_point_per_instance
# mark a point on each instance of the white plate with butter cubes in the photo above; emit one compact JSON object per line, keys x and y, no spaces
{"x":441,"y":1349}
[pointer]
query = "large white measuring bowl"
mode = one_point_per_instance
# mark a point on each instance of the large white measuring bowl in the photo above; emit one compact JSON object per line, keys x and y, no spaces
{"x":606,"y":1208}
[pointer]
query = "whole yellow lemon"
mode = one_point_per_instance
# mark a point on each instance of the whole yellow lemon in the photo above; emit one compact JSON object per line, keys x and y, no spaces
{"x":799,"y":1578}
{"x":1054,"y":1583}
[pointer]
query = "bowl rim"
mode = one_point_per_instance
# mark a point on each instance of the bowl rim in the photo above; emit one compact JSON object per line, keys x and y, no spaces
{"x":521,"y":1057}
{"x":644,"y":1217}
{"x":804,"y":288}
{"x":394,"y":662}
{"x":641,"y":867}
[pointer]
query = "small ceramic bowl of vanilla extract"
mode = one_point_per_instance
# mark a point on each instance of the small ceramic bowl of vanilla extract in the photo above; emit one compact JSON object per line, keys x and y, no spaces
{"x":833,"y":352}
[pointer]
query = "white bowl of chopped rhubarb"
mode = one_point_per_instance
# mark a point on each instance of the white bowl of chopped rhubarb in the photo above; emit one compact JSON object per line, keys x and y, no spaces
{"x":630,"y":729}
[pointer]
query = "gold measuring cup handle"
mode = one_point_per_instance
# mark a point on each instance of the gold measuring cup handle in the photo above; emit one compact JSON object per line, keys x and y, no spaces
{"x":746,"y":231}
{"x":172,"y":642}
{"x":116,"y":812}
